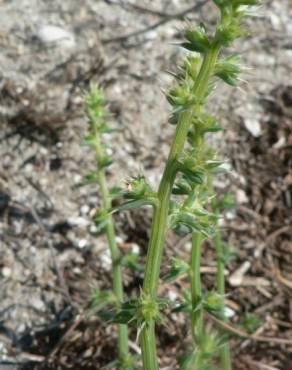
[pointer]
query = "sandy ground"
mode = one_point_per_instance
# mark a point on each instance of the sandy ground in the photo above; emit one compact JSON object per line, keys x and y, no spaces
{"x":50,"y":258}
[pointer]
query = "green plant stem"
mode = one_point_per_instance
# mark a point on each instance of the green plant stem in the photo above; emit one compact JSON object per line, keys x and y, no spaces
{"x":123,"y":347}
{"x":225,"y":352}
{"x":159,"y":223}
{"x":196,"y":286}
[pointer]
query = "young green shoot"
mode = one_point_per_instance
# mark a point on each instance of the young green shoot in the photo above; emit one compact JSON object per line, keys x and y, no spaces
{"x":97,"y":114}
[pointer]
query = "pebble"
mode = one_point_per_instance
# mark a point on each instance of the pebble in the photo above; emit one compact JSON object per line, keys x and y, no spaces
{"x":188,"y":246}
{"x":105,"y":259}
{"x":57,"y":36}
{"x":228,"y":312}
{"x":85,"y":209}
{"x":119,"y":239}
{"x":241,"y":196}
{"x":78,"y":221}
{"x":93,"y":229}
{"x":135,"y":248}
{"x":6,"y":272}
{"x":82,"y":243}
{"x":172,"y":295}
{"x":253,"y":126}
{"x":236,"y":278}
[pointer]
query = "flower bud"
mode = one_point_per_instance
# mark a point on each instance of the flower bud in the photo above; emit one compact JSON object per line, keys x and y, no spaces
{"x":227,"y":33}
{"x":197,"y":40}
{"x":228,"y":69}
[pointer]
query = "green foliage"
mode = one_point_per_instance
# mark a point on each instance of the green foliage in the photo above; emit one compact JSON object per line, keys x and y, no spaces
{"x":186,"y":304}
{"x":201,"y":356}
{"x":184,"y":200}
{"x":101,"y":221}
{"x":194,"y":219}
{"x":103,"y":299}
{"x":96,"y":114}
{"x":228,"y":69}
{"x":214,"y":303}
{"x":138,"y":193}
{"x":131,"y":260}
{"x":197,"y":39}
{"x":228,"y":253}
{"x":178,"y":268}
{"x":251,"y":323}
{"x":224,"y":202}
{"x":126,"y":363}
{"x":139,"y":312}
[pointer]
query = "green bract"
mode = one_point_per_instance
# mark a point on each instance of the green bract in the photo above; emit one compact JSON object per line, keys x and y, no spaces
{"x":197,"y":40}
{"x":140,"y":312}
{"x":228,"y":69}
{"x":227,"y":33}
{"x":139,"y":193}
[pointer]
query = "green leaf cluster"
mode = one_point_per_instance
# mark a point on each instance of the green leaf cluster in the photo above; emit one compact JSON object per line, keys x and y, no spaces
{"x":201,"y":355}
{"x":139,"y":312}
{"x":128,"y":362}
{"x":197,"y":39}
{"x":233,"y":12}
{"x":228,"y":69}
{"x":131,"y":261}
{"x":138,"y":193}
{"x":97,"y":113}
{"x":102,"y":299}
{"x":178,"y":268}
{"x":192,"y":218}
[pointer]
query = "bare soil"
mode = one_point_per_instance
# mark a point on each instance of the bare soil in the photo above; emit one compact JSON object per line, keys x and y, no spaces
{"x":51,"y":261}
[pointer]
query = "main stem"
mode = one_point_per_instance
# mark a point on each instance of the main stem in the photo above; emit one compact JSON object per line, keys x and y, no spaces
{"x":123,"y":348}
{"x":159,"y":223}
{"x":225,"y":352}
{"x":196,"y":286}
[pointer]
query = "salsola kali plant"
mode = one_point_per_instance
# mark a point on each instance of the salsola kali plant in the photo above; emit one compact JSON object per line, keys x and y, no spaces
{"x":189,"y":167}
{"x":185,"y":200}
{"x":97,"y":114}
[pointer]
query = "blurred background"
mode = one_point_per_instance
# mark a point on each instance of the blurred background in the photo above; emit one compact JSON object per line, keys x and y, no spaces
{"x":51,"y":261}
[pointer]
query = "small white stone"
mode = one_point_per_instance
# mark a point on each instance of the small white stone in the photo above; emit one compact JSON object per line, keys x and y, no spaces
{"x":236,"y":278}
{"x":241,"y":197}
{"x":152,"y":35}
{"x":135,"y":248}
{"x":6,"y":272}
{"x":172,"y":295}
{"x":38,"y":304}
{"x":43,"y":151}
{"x":21,"y":328}
{"x":84,"y":209}
{"x":93,"y":229}
{"x":105,"y":259}
{"x":275,"y":20}
{"x":188,"y":246}
{"x":77,"y":178}
{"x":230,"y":215}
{"x":221,"y":222}
{"x":78,"y":221}
{"x":3,"y":351}
{"x":228,"y":312}
{"x":82,"y":243}
{"x":77,"y":271}
{"x":53,"y":35}
{"x":280,"y":143}
{"x":119,"y":239}
{"x":109,"y":151}
{"x":253,"y":126}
